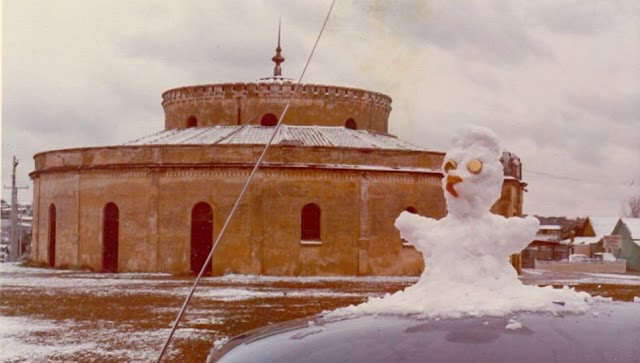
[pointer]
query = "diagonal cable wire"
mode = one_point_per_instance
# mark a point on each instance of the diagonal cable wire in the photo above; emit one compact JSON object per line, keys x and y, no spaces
{"x":244,"y":189}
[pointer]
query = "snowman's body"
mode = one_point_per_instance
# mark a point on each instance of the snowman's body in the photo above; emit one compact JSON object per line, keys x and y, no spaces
{"x":466,"y":250}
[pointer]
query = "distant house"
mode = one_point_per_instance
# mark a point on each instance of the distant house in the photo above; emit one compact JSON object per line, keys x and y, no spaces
{"x":25,"y":219}
{"x":629,"y":231}
{"x":547,"y":244}
{"x":590,"y":239}
{"x":549,"y":233}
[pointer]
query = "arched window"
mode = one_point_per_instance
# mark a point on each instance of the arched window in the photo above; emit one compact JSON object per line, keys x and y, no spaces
{"x":310,"y":223}
{"x":351,"y":124}
{"x":51,"y":258}
{"x":192,"y":121}
{"x":110,"y":232}
{"x":201,"y":237}
{"x":269,"y":119}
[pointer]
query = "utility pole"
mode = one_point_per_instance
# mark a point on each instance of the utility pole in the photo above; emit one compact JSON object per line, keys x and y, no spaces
{"x":15,"y":249}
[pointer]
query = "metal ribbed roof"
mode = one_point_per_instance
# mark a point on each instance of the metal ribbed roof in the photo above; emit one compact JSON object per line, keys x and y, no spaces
{"x":309,"y":136}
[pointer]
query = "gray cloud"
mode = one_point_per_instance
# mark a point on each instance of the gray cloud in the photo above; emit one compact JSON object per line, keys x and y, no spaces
{"x":558,"y":81}
{"x":577,"y":17}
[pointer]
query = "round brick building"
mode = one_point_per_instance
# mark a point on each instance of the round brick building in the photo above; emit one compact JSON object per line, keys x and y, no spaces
{"x":322,"y":203}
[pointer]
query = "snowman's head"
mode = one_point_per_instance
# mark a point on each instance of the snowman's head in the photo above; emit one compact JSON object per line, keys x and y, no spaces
{"x":473,"y":174}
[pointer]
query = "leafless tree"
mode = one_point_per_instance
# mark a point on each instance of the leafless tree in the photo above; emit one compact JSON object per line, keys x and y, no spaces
{"x":631,"y":207}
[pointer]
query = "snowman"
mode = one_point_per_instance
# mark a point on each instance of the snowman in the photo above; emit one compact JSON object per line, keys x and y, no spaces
{"x":467,"y":269}
{"x":470,"y":244}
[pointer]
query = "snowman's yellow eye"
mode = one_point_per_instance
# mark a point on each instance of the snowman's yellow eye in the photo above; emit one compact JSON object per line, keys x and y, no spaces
{"x":450,"y":165}
{"x":475,"y":166}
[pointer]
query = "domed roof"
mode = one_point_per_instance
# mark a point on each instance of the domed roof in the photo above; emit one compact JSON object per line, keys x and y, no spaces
{"x":304,"y":136}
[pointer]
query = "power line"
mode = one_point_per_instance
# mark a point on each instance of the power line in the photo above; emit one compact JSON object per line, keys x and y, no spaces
{"x":617,"y":181}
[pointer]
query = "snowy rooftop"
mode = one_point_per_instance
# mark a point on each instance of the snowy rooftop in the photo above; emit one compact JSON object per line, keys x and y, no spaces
{"x":310,"y":136}
{"x":603,"y":226}
{"x":546,"y":238}
{"x":551,"y":227}
{"x":583,"y":240}
{"x":633,"y":224}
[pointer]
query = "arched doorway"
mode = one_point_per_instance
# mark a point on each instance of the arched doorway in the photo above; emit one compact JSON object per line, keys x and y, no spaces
{"x":201,"y":237}
{"x":110,"y":229}
{"x":51,"y":255}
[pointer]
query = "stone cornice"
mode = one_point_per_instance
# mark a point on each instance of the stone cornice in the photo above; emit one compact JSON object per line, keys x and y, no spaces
{"x":275,"y":90}
{"x":212,"y":166}
{"x":331,"y":171}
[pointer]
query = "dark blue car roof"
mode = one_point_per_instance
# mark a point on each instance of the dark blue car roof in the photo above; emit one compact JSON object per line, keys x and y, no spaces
{"x":608,"y":332}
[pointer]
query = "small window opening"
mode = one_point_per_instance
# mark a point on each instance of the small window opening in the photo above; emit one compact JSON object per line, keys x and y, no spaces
{"x":351,"y":124}
{"x":269,"y":120}
{"x":192,"y":121}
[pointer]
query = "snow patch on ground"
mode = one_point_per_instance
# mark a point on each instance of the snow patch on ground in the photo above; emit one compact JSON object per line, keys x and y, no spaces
{"x":593,"y":278}
{"x":18,"y":339}
{"x":235,"y":278}
{"x":15,"y":275}
{"x":31,"y":340}
{"x":232,"y":294}
{"x":12,"y":275}
{"x":17,"y":267}
{"x":578,"y":277}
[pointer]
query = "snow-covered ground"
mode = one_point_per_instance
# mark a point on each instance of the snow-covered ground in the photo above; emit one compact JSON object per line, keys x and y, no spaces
{"x":57,"y":315}
{"x":572,"y":278}
{"x":44,"y":317}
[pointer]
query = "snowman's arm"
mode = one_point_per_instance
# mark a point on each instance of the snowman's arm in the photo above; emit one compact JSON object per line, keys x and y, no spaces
{"x":414,"y":227}
{"x":519,"y":232}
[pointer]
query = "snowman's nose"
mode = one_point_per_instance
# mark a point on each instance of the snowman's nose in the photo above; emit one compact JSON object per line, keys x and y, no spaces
{"x":451,"y":181}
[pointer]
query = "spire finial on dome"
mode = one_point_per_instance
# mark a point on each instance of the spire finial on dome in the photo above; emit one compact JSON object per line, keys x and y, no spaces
{"x":278,"y":58}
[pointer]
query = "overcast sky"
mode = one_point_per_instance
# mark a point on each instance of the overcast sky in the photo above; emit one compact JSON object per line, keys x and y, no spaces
{"x":558,"y":81}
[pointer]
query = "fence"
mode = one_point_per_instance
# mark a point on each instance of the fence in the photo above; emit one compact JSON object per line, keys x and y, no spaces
{"x":599,"y":266}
